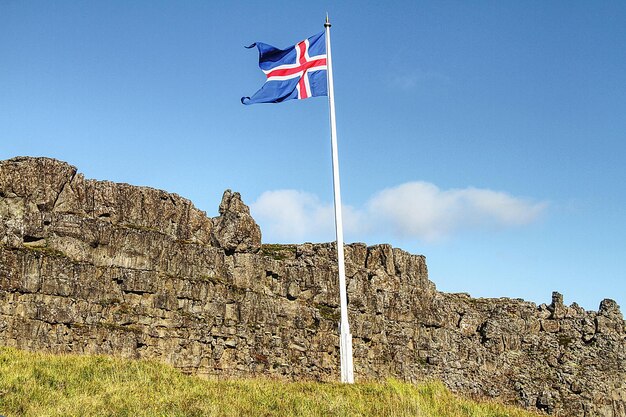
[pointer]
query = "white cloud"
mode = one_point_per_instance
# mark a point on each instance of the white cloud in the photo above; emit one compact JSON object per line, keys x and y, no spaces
{"x":422,"y":210}
{"x":297,"y":216}
{"x":417,"y":210}
{"x":290,"y":215}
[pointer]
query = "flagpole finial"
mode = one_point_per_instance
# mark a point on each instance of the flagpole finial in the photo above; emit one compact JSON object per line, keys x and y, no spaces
{"x":327,"y":23}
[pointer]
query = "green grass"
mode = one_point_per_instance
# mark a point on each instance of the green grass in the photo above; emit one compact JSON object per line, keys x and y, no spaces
{"x":279,"y":252}
{"x":328,"y":312}
{"x":34,"y":384}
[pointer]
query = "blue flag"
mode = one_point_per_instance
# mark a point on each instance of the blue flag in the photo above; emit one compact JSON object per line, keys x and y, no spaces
{"x":297,"y":72}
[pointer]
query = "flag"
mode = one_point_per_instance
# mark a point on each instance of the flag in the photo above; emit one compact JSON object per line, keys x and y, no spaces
{"x":297,"y":72}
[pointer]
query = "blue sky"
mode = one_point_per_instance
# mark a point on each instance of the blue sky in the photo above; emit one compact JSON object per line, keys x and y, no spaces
{"x":489,"y":136}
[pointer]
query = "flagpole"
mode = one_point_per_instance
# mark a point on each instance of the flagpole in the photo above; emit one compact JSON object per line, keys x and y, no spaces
{"x":345,"y":345}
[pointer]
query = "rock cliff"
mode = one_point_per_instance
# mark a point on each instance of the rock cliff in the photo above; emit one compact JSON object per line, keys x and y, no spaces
{"x":96,"y":267}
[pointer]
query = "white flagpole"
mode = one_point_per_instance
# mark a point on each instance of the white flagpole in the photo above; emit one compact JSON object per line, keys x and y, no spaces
{"x":345,"y":345}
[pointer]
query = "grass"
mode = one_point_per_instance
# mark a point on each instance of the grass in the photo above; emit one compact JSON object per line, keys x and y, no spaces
{"x":279,"y":252}
{"x":35,"y":384}
{"x":328,"y":312}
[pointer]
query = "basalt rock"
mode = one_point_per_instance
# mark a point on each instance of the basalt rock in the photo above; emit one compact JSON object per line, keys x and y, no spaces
{"x":235,"y":230}
{"x":96,"y":267}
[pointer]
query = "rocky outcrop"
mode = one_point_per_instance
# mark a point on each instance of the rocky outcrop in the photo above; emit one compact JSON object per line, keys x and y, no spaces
{"x":235,"y":230}
{"x":96,"y":267}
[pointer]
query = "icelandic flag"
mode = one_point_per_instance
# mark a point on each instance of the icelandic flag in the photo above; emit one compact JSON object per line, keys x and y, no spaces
{"x":297,"y":72}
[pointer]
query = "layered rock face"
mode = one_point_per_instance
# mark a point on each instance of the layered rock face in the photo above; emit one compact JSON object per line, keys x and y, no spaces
{"x":96,"y":267}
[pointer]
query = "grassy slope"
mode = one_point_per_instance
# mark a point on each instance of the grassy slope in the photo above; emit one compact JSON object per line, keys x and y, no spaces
{"x":35,"y":384}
